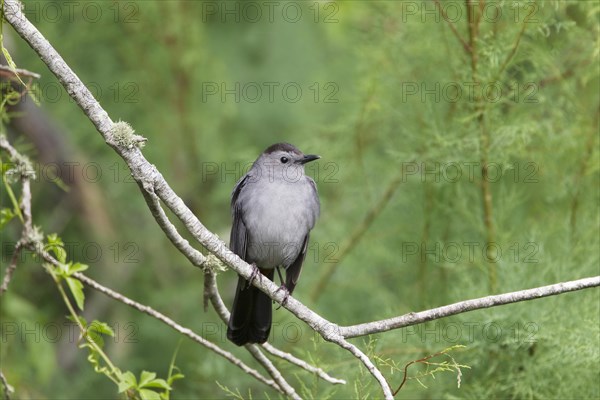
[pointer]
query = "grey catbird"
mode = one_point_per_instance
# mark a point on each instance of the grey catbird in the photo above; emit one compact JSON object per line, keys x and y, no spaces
{"x":274,"y":207}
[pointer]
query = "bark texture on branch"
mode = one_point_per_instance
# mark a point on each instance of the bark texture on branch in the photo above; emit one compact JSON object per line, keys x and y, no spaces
{"x":467,"y":305}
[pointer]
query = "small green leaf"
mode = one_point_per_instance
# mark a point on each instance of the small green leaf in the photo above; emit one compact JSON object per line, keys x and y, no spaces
{"x":59,"y":253}
{"x":127,"y":381}
{"x":149,"y":395}
{"x":96,"y":338}
{"x":63,"y":270}
{"x":123,"y":386}
{"x":5,"y":167}
{"x":101,"y":327}
{"x":77,"y":290}
{"x":77,"y":267}
{"x":6,"y":214}
{"x":12,"y":65}
{"x":172,"y":367}
{"x":53,"y":238}
{"x":146,"y":377}
{"x":175,"y":377}
{"x":56,"y":246}
{"x":13,"y":199}
{"x":158,"y":383}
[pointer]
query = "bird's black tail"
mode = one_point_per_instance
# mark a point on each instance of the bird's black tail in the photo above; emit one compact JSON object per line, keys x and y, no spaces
{"x":251,"y":314}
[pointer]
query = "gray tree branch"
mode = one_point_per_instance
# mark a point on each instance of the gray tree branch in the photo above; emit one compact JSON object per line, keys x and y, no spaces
{"x":25,"y":207}
{"x":7,"y":388}
{"x":181,"y":329}
{"x":467,"y":305}
{"x":8,"y":71}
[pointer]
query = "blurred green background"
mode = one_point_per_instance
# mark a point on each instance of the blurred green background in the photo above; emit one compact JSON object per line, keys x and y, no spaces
{"x":403,"y":117}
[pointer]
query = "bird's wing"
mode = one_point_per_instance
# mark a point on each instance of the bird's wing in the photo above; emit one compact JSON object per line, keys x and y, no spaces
{"x":313,"y":186}
{"x":239,"y":235}
{"x":292,"y":273}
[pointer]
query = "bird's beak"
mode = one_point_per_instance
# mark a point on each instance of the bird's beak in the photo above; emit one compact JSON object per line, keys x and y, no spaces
{"x":308,"y":158}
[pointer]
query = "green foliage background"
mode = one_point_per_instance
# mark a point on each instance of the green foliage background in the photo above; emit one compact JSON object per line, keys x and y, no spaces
{"x":153,"y":62}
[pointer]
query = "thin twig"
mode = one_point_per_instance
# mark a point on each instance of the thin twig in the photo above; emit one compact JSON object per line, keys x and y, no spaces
{"x":193,"y":255}
{"x":302,"y":364}
{"x":512,"y":53}
{"x":464,"y":43}
{"x":473,"y":21}
{"x":467,"y":305}
{"x":212,"y":293}
{"x":163,"y":318}
{"x":184,"y":331}
{"x":5,"y":145}
{"x":421,"y":360}
{"x":285,"y":387}
{"x":11,"y":268}
{"x":7,"y":71}
{"x":25,"y":206}
{"x":383,"y":383}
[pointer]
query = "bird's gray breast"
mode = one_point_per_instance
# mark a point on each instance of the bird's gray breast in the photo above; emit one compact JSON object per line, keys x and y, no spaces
{"x":278,"y":214}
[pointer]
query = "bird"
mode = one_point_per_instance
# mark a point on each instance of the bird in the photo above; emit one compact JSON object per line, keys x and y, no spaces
{"x":274,"y":207}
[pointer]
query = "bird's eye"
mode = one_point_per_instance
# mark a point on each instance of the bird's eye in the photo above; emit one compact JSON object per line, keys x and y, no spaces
{"x":284,"y":160}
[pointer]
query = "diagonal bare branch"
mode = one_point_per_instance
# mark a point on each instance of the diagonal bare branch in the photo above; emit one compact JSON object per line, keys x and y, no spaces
{"x":12,"y":266}
{"x":302,"y":364}
{"x":181,"y":329}
{"x":25,"y":206}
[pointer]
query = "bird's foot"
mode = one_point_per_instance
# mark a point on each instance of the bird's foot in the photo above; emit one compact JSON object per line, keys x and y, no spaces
{"x":255,"y":273}
{"x":286,"y":295}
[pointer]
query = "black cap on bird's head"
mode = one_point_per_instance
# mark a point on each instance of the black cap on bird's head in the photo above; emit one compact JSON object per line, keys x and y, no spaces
{"x":293,"y":151}
{"x":287,"y":147}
